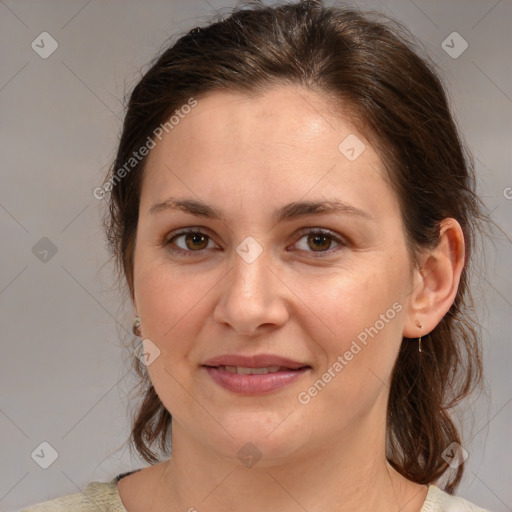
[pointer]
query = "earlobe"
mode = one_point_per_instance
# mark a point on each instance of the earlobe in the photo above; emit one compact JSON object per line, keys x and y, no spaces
{"x":436,"y":281}
{"x":136,"y":329}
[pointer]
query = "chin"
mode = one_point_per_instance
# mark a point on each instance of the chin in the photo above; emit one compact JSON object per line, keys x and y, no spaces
{"x":260,"y":437}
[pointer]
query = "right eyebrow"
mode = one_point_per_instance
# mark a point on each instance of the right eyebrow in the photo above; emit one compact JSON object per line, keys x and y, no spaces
{"x":290,"y":211}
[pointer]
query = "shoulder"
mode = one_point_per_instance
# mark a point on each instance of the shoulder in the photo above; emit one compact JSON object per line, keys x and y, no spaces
{"x":438,"y":500}
{"x":96,"y":496}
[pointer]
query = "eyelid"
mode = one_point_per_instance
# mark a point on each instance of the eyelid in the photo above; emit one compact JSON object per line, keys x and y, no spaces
{"x":341,"y":241}
{"x":166,"y":243}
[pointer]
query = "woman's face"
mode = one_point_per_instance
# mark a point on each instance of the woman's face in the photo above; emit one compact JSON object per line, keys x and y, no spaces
{"x":258,"y":280}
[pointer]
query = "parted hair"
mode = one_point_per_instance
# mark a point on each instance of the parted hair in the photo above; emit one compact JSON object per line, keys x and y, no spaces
{"x":371,"y":66}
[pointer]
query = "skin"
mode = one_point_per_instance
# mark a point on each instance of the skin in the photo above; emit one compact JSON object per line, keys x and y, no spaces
{"x":249,"y":156}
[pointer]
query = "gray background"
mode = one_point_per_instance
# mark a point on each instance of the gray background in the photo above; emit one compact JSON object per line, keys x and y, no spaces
{"x":65,"y":375}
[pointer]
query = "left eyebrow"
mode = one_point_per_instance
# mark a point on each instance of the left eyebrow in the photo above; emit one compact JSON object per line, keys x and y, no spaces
{"x":287,"y":212}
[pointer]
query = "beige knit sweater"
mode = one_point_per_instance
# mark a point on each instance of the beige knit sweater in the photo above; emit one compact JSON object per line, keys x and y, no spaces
{"x":104,"y":497}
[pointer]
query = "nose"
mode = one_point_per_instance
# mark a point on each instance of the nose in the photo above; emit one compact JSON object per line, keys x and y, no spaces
{"x":253,"y":298}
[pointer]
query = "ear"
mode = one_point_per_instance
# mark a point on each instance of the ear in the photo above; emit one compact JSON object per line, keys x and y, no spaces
{"x":435,"y":283}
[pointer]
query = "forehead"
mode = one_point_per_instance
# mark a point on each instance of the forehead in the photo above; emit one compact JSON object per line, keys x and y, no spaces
{"x":281,"y":144}
{"x":277,"y":120}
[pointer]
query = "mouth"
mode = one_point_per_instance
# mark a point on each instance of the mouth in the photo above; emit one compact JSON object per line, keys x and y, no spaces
{"x":244,"y":370}
{"x":258,"y":361}
{"x":254,"y":375}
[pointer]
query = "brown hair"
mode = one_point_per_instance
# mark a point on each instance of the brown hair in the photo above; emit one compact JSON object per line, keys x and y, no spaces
{"x":398,"y":102}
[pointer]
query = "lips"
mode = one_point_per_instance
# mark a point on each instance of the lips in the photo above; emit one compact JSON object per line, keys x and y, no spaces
{"x":253,"y":375}
{"x":244,"y":370}
{"x":257,"y":361}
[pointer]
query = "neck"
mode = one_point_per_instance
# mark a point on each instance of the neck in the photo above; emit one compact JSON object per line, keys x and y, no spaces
{"x":350,"y":473}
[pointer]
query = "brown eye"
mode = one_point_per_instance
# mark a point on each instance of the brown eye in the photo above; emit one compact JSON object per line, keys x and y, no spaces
{"x":196,"y":241}
{"x":317,"y":241}
{"x":193,"y":241}
{"x":320,"y":242}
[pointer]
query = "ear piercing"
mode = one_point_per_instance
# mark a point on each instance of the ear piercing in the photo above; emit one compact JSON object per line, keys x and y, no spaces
{"x":136,"y":327}
{"x":419,"y":339}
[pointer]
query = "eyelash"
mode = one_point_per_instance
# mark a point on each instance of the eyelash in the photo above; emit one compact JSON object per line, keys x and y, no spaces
{"x":312,"y":231}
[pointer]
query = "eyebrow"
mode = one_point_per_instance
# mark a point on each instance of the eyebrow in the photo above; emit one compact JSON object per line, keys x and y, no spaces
{"x":288,"y":212}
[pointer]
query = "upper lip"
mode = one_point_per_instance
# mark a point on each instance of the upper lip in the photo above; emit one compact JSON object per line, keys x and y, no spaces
{"x":256,"y":361}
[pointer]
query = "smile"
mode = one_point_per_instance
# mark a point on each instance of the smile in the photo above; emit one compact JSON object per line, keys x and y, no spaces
{"x":253,"y":381}
{"x":241,"y":370}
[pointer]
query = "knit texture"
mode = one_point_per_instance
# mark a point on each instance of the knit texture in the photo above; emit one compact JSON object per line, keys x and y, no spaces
{"x":104,"y":497}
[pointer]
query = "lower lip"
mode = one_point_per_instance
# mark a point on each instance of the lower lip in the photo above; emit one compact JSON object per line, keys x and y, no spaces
{"x":253,"y":384}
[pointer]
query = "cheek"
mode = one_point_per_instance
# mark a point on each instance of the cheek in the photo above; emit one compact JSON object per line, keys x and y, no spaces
{"x":363,"y":312}
{"x":347,"y":304}
{"x":169,"y":306}
{"x":165,"y":301}
{"x":364,"y":315}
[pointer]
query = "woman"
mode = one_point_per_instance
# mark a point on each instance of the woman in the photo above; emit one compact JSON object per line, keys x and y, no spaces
{"x":294,"y":213}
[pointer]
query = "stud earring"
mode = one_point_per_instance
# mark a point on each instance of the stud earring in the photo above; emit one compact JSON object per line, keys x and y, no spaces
{"x":136,"y":327}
